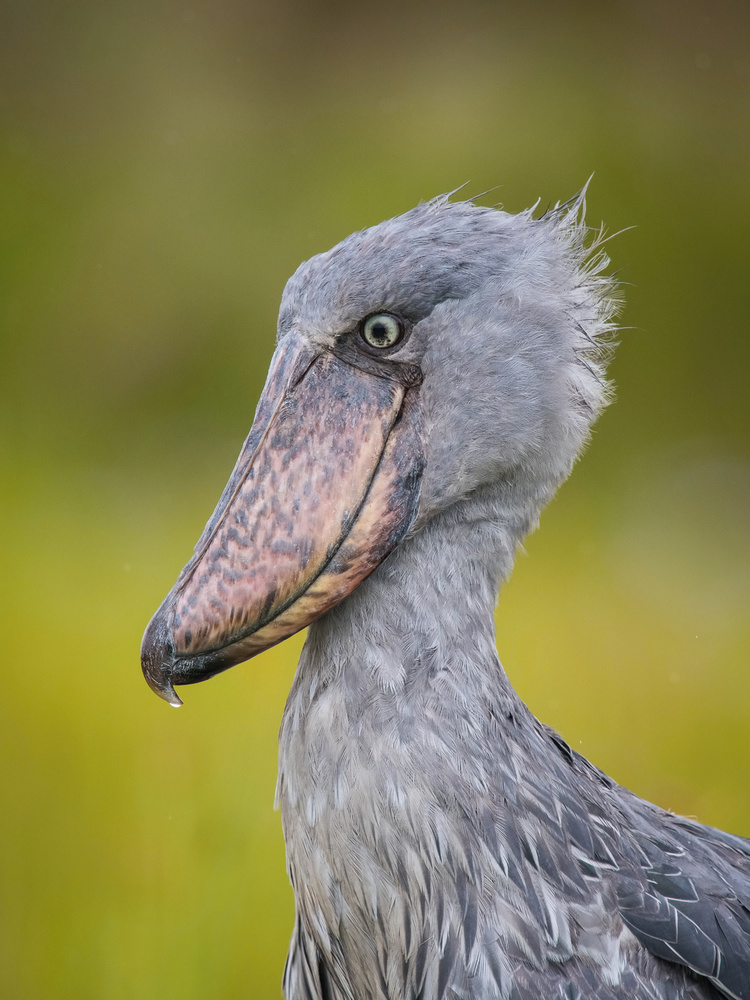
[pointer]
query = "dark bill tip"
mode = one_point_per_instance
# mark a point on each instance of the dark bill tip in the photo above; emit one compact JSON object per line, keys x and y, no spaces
{"x":157,"y":658}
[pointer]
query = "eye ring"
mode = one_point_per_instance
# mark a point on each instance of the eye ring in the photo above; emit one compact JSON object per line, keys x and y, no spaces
{"x":382,"y":330}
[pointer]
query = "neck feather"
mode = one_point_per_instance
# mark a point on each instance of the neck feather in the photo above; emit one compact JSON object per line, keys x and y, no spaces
{"x":405,"y":764}
{"x":411,"y":650}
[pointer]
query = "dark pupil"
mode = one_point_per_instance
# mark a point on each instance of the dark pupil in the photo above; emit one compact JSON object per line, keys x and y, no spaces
{"x":379,"y":332}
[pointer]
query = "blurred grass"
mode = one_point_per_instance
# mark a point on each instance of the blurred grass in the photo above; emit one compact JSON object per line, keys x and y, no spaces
{"x":163,"y":169}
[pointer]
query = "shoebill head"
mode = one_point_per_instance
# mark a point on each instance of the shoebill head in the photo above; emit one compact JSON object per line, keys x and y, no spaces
{"x":452,"y":350}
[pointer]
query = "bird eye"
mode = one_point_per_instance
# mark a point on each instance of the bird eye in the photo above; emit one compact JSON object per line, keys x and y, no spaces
{"x":382,"y":330}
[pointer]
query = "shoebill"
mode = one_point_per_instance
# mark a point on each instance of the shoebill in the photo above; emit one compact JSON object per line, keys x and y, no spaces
{"x":435,"y":378}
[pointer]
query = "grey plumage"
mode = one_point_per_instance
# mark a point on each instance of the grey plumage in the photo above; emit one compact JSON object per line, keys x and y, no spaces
{"x":442,"y":843}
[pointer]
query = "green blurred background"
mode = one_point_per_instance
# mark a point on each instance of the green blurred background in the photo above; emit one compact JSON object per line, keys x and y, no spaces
{"x":164,"y":168}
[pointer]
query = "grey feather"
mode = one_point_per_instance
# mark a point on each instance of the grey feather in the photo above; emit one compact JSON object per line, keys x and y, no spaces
{"x":442,"y":843}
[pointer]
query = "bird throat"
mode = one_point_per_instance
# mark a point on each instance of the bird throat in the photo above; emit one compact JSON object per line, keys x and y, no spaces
{"x":389,"y":736}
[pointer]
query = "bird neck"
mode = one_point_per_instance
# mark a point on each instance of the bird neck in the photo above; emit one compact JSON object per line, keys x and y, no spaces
{"x":410,"y":651}
{"x":403,"y":753}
